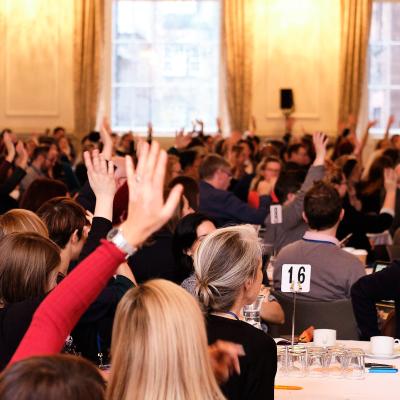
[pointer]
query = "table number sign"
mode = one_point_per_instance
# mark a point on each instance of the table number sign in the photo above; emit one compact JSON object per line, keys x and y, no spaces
{"x":296,"y":278}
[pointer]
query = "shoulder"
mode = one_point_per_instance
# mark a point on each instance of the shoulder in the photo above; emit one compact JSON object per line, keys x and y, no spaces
{"x":238,"y":332}
{"x":291,"y":247}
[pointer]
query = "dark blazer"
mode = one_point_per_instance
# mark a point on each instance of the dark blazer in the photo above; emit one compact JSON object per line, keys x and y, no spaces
{"x":225,"y":208}
{"x":383,"y":285}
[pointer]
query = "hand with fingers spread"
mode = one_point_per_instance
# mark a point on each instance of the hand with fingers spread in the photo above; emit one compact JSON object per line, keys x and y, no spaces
{"x":224,"y":358}
{"x":147,"y":211}
{"x":320,"y":141}
{"x":101,"y":178}
{"x":105,"y":135}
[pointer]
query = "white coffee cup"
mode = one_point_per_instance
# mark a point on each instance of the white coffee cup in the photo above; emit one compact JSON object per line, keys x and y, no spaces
{"x":324,"y":337}
{"x":382,"y":345}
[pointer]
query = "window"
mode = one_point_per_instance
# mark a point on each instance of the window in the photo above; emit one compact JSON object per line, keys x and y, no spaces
{"x":384,"y":63}
{"x":165,"y":64}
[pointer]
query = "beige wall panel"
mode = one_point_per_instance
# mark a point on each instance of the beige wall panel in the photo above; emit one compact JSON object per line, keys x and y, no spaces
{"x":36,"y":64}
{"x":296,"y":46}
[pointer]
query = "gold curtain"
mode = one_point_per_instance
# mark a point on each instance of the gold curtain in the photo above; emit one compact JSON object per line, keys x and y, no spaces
{"x":356,"y":21}
{"x":88,"y":61}
{"x":237,"y":48}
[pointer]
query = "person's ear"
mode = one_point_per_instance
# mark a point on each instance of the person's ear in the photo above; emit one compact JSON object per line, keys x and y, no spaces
{"x":74,"y":237}
{"x":341,"y":216}
{"x":303,"y":214}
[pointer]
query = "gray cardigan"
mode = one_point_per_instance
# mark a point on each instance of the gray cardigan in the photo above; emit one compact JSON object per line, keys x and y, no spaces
{"x":293,"y":226}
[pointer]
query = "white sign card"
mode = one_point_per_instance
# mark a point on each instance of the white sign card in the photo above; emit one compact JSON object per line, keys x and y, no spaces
{"x":276,"y":214}
{"x":296,"y":278}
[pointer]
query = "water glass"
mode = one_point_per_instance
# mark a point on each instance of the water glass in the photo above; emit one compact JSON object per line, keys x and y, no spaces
{"x":355,"y":365}
{"x":336,"y":358}
{"x":316,"y":361}
{"x":282,"y":358}
{"x":297,"y":361}
{"x":251,"y":312}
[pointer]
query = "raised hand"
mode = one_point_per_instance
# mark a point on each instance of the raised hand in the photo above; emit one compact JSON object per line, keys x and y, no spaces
{"x":320,"y":141}
{"x":7,"y":139}
{"x":22,"y":155}
{"x":102,"y":181}
{"x":105,"y":135}
{"x":147,"y":211}
{"x":182,"y":140}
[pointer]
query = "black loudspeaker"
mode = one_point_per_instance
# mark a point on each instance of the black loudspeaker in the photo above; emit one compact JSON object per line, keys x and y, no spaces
{"x":287,"y":102}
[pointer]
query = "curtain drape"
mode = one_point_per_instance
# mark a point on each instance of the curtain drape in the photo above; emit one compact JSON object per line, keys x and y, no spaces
{"x":88,"y":61}
{"x":237,"y":48}
{"x":356,"y":21}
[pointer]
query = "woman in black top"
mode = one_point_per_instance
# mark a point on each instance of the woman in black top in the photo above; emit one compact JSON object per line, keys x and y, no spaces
{"x":228,"y":273}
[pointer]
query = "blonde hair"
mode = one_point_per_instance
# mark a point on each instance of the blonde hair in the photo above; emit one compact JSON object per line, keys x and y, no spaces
{"x":224,"y":261}
{"x":261,"y":166}
{"x":20,"y":220}
{"x":159,"y":347}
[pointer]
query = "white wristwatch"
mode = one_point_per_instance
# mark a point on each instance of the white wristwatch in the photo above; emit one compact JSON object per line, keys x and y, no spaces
{"x":116,"y":236}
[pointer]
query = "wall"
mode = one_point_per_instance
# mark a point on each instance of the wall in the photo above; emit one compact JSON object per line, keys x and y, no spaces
{"x":297,"y":45}
{"x":36,"y":54}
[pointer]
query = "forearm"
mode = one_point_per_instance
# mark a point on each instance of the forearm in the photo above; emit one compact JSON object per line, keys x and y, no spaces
{"x":10,"y":184}
{"x":104,"y":207}
{"x":4,"y":168}
{"x":390,"y":200}
{"x":271,"y":311}
{"x":62,"y":308}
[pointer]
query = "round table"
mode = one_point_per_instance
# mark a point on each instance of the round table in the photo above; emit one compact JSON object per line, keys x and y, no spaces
{"x":374,"y":386}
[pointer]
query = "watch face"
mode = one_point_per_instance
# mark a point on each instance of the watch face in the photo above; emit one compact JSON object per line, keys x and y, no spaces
{"x":114,"y":232}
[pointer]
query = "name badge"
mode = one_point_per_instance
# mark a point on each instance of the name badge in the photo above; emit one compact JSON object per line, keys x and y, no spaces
{"x":275,"y":212}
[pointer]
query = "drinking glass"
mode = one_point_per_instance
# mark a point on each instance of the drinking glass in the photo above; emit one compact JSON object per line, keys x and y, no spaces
{"x":336,"y":361}
{"x":251,"y":312}
{"x":297,"y":361}
{"x":355,"y":364}
{"x":316,"y":361}
{"x":282,"y":358}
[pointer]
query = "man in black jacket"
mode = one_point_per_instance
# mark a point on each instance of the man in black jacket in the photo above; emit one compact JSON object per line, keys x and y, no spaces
{"x":368,"y":290}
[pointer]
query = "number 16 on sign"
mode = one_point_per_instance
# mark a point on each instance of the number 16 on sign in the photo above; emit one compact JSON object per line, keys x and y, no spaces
{"x":296,"y":278}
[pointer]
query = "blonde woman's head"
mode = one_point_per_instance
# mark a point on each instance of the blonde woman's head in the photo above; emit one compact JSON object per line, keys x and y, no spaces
{"x":20,"y":220}
{"x":159,"y":346}
{"x":228,"y":267}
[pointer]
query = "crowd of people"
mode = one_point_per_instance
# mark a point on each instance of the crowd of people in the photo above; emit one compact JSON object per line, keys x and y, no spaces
{"x":125,"y":267}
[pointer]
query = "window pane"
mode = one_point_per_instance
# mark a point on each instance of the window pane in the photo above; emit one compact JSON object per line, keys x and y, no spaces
{"x":131,"y":107}
{"x":378,"y":65}
{"x":395,"y":21}
{"x":395,"y":65}
{"x":168,"y":50}
{"x":395,"y":103}
{"x":377,"y":102}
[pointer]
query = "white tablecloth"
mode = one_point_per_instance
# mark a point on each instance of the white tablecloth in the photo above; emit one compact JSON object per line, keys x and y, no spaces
{"x":373,"y":387}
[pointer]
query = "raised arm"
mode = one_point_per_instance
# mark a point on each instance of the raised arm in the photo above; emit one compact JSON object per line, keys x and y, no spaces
{"x":62,"y":308}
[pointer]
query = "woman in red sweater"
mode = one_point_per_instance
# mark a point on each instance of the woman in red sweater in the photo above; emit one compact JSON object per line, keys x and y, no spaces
{"x":61,"y":309}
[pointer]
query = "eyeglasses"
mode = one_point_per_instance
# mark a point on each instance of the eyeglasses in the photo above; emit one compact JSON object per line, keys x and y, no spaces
{"x":227,"y":172}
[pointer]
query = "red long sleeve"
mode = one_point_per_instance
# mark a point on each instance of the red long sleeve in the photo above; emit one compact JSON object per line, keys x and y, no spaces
{"x":60,"y":311}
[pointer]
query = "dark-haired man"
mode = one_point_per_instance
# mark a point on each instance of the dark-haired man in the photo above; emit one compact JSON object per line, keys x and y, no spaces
{"x":291,"y":199}
{"x":43,"y":159}
{"x":220,"y":204}
{"x":333,"y":271}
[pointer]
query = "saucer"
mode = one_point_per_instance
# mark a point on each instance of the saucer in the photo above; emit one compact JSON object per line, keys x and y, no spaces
{"x":383,"y":356}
